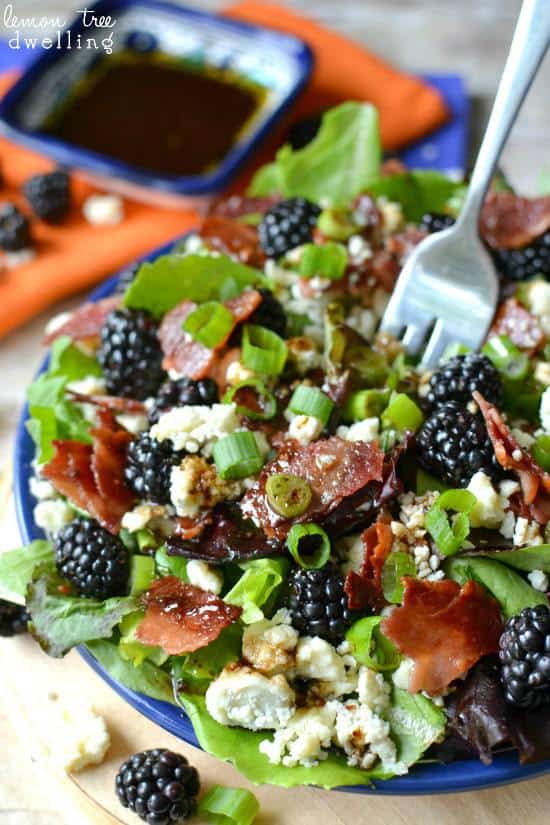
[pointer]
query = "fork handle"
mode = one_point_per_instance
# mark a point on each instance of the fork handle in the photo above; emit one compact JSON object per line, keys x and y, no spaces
{"x":529,"y":45}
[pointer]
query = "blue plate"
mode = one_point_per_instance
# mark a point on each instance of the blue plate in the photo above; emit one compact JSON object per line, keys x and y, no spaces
{"x":423,"y":779}
{"x":281,"y":64}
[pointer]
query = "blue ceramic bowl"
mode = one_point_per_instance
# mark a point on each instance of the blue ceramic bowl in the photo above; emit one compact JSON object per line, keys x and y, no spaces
{"x":424,"y":779}
{"x":279,"y":63}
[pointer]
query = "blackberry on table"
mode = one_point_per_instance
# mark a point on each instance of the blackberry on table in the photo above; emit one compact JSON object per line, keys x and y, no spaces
{"x":93,"y":560}
{"x":287,"y":225}
{"x":526,"y":262}
{"x":13,"y":619}
{"x":148,"y":468}
{"x":525,"y":657}
{"x":453,"y":445}
{"x":130,"y":354}
{"x":270,"y":313}
{"x":15,"y":233}
{"x":458,"y":378}
{"x":160,"y":786}
{"x":125,"y":278}
{"x":318,"y":604}
{"x":185,"y":392}
{"x":436,"y":221}
{"x":49,"y":195}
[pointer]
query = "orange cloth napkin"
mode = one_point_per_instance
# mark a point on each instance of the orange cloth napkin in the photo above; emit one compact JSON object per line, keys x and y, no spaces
{"x":74,"y":255}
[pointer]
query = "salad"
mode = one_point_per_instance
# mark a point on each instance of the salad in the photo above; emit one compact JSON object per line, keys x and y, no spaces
{"x":260,"y":508}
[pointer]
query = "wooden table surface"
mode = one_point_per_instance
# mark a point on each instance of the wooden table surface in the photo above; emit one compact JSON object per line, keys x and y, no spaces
{"x":467,"y":37}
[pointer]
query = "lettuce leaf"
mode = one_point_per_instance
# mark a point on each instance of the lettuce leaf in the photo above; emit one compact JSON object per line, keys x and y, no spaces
{"x":147,"y":678}
{"x":69,"y":362}
{"x":259,"y":582}
{"x":60,"y":622}
{"x":17,"y":566}
{"x":198,"y":669}
{"x":338,"y":163}
{"x":510,"y":590}
{"x":241,"y":748}
{"x":162,"y":284}
{"x":52,"y":415}
{"x":523,"y":558}
{"x":415,"y":724}
{"x":418,"y":191}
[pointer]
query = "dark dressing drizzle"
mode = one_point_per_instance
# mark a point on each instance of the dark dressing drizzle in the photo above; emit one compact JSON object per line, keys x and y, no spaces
{"x":157,"y":114}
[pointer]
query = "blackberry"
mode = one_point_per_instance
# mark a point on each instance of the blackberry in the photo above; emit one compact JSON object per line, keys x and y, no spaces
{"x":525,"y":657}
{"x":526,"y":262}
{"x":270,"y":313}
{"x":184,"y":392}
{"x":158,"y":785}
{"x":436,"y":221}
{"x":459,"y":377}
{"x":15,"y":231}
{"x":286,"y":225}
{"x":130,"y":354}
{"x":453,"y":445}
{"x":148,"y":468}
{"x":93,"y":560}
{"x":318,"y":604}
{"x":125,"y":278}
{"x":13,"y":618}
{"x":49,"y":195}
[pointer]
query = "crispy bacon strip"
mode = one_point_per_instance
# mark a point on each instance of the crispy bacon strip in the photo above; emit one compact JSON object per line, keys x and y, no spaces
{"x":334,"y":469}
{"x":445,"y":628}
{"x":92,"y":475}
{"x":189,"y":357}
{"x":365,"y":589}
{"x":534,"y":481}
{"x":86,"y":321}
{"x":510,"y":222}
{"x":108,"y":402}
{"x":233,"y":238}
{"x":181,"y":618}
{"x":522,"y":328}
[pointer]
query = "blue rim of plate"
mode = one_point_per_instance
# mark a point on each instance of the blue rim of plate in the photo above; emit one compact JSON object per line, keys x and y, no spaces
{"x":94,"y":163}
{"x":433,"y":778}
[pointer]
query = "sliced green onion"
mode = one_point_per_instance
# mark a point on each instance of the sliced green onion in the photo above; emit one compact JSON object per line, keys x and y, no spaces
{"x":365,"y":404}
{"x":209,"y":324}
{"x":336,"y":224}
{"x":311,"y":401}
{"x":326,"y":261}
{"x":251,"y":219}
{"x":308,"y":545}
{"x":253,"y":399}
{"x":507,"y":358}
{"x":402,"y":414}
{"x":449,"y":537}
{"x":171,"y":565}
{"x":370,"y":647}
{"x":371,"y":366}
{"x":146,"y":539}
{"x":289,"y":496}
{"x":237,"y":455}
{"x":541,"y":452}
{"x":388,"y":439}
{"x":263,"y":350}
{"x":453,"y":350}
{"x":425,"y":483}
{"x":395,"y":567}
{"x":142,"y":573}
{"x":228,"y":806}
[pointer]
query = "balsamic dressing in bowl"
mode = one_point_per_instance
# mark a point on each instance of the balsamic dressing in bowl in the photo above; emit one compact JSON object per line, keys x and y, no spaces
{"x":165,"y":116}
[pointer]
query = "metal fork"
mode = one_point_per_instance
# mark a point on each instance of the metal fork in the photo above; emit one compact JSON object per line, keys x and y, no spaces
{"x":448,"y":289}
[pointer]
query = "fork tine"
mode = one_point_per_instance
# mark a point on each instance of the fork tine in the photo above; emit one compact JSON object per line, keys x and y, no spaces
{"x":414,"y":338}
{"x":437,"y":343}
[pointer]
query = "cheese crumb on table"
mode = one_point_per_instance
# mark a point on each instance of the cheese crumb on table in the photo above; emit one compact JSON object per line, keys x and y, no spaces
{"x":103,"y":210}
